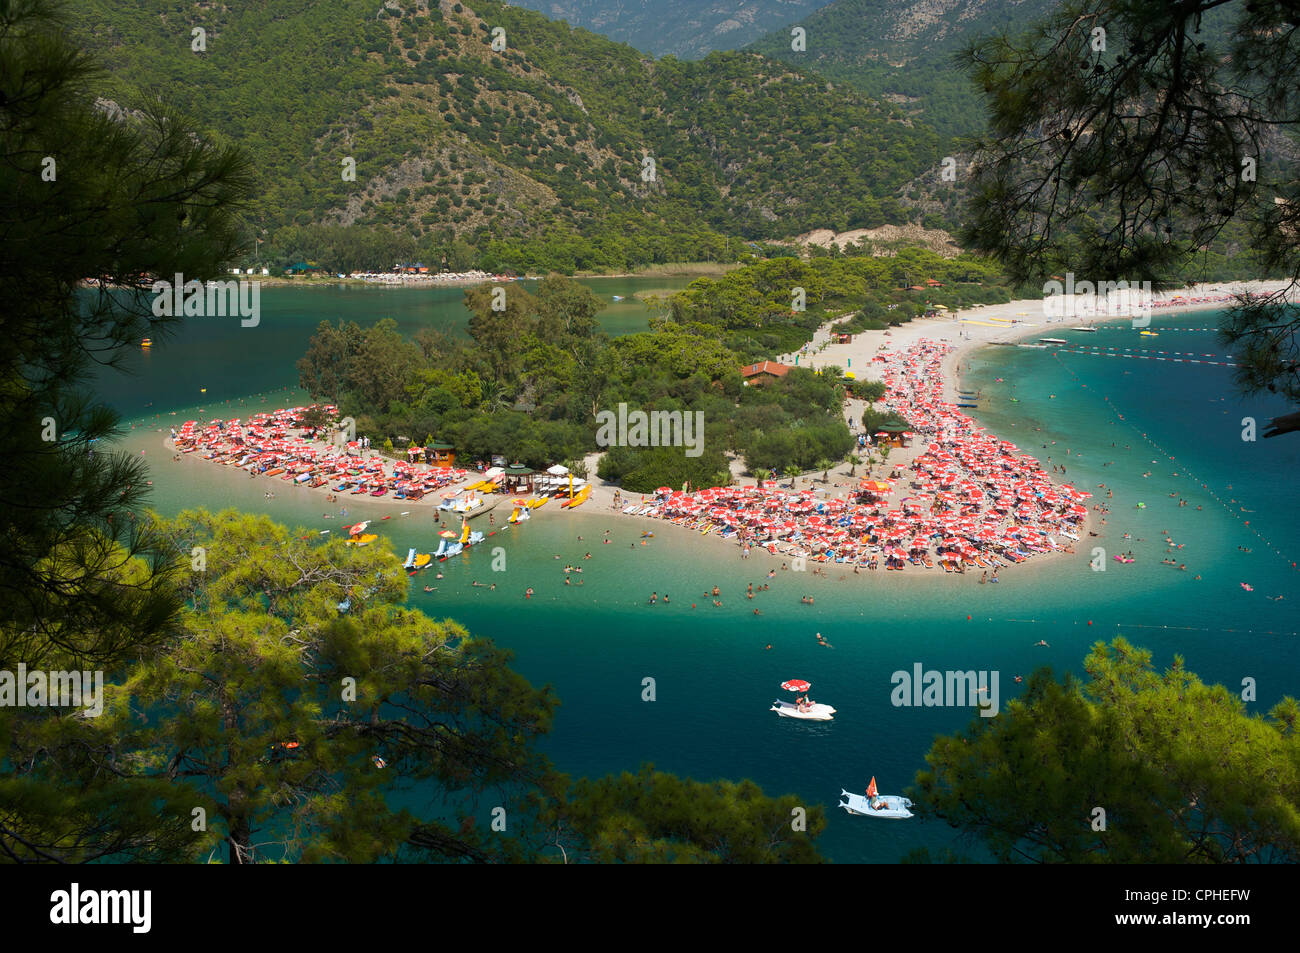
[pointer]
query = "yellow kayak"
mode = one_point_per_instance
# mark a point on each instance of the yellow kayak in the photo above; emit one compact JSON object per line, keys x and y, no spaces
{"x":540,"y":501}
{"x":363,"y":540}
{"x":580,"y":497}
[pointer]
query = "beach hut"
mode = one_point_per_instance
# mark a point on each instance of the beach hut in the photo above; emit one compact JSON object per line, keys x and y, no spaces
{"x":893,"y":434}
{"x":440,"y":454}
{"x":519,"y":478}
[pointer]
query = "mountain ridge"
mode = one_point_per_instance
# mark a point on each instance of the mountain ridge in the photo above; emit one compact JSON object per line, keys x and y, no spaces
{"x":543,"y":140}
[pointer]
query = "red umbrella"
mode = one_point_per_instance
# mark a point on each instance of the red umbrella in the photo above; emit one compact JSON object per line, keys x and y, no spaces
{"x":796,"y":685}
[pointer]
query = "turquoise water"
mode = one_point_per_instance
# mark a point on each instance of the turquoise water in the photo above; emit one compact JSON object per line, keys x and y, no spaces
{"x":232,"y":362}
{"x":714,"y":677}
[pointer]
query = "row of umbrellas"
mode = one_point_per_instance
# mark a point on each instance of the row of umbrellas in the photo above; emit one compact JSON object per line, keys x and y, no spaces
{"x":276,"y":439}
{"x":973,"y":493}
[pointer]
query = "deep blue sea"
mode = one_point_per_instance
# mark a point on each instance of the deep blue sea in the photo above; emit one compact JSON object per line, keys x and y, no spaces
{"x":1153,"y":431}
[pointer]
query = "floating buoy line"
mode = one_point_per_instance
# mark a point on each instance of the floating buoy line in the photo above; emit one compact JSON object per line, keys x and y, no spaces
{"x":1184,"y":357}
{"x":1183,"y":469}
{"x":1140,"y":625}
{"x":1162,"y":330}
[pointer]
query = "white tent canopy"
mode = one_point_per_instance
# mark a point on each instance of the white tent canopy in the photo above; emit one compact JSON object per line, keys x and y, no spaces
{"x":557,"y":470}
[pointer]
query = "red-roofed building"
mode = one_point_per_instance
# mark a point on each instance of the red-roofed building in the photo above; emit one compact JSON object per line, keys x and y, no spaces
{"x":764,"y":372}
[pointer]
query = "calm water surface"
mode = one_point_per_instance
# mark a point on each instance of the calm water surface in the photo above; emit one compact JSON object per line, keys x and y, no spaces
{"x":715,"y":677}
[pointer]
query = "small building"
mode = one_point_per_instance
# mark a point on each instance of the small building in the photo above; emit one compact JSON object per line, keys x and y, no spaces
{"x":893,"y":434}
{"x":519,"y":478}
{"x":764,"y":372}
{"x":440,"y":454}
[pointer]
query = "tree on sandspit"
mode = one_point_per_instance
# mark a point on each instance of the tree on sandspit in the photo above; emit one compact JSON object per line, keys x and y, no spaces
{"x":792,"y":472}
{"x":89,"y":193}
{"x":854,"y":460}
{"x":1134,"y":766}
{"x":825,"y":466}
{"x":1126,"y":137}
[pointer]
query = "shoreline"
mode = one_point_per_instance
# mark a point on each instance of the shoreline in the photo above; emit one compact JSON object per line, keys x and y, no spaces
{"x":964,"y":331}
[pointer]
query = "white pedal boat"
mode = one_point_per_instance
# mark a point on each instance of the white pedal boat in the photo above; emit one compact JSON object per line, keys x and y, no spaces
{"x":814,"y":712}
{"x":889,"y":805}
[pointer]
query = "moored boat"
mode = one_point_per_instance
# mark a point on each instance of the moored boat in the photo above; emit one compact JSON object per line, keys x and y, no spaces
{"x":802,"y":708}
{"x":874,"y":804}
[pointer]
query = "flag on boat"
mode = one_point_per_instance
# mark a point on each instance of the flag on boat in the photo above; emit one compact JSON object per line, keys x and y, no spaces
{"x":871,"y":788}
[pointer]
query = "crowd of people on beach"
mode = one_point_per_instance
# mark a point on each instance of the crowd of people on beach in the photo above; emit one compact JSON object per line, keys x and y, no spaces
{"x":969,"y":500}
{"x":276,"y":444}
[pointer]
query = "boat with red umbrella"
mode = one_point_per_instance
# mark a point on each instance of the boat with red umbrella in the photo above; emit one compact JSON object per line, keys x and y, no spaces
{"x":875,"y":804}
{"x":803,"y":707}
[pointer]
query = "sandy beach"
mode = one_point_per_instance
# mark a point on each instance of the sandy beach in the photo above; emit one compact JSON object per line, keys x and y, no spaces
{"x":965,"y":331}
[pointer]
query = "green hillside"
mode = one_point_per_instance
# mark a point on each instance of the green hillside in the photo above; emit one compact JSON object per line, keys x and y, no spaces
{"x":532,"y":157}
{"x":902,"y":51}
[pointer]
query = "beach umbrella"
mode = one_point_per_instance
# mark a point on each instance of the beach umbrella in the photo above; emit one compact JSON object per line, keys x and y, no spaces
{"x":796,"y":685}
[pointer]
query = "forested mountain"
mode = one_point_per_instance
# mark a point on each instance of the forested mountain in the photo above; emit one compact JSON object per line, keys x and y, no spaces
{"x":687,"y":29}
{"x":902,"y":51}
{"x":536,"y":154}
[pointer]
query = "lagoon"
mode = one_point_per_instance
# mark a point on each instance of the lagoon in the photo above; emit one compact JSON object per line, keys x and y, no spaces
{"x":715,"y":677}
